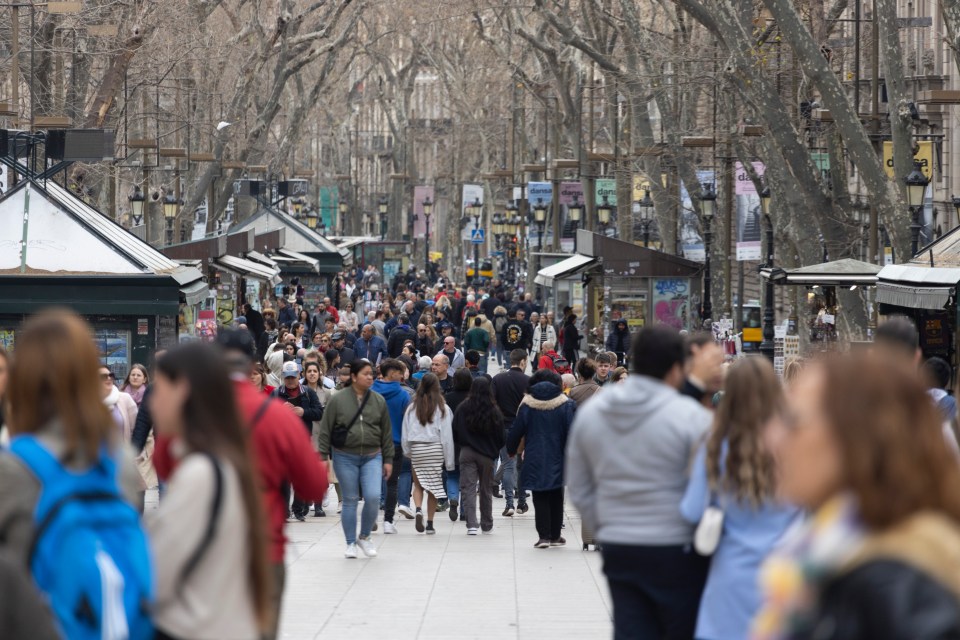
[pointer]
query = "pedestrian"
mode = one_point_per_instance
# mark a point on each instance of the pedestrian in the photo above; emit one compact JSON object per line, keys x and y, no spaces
{"x":399,"y":484}
{"x":212,"y":578}
{"x":478,"y":340}
{"x":440,"y":367}
{"x":64,"y":444}
{"x":454,"y":356}
{"x":543,"y":423}
{"x":370,"y":346}
{"x":313,"y":380}
{"x":424,"y":365}
{"x":571,"y":340}
{"x":586,"y":387}
{"x":478,"y":433}
{"x":349,"y":317}
{"x":733,"y":472}
{"x":356,"y":432}
{"x":499,"y":324}
{"x":462,"y":381}
{"x":704,"y":375}
{"x":627,"y":465}
{"x":605,"y":363}
{"x":304,"y":403}
{"x":543,"y":333}
{"x":123,"y":410}
{"x":399,"y":335}
{"x":258,"y":378}
{"x":618,"y":375}
{"x":135,"y":384}
{"x":618,"y":341}
{"x":569,"y":382}
{"x":428,"y":442}
{"x":509,"y":389}
{"x":861,"y":448}
{"x":551,"y":360}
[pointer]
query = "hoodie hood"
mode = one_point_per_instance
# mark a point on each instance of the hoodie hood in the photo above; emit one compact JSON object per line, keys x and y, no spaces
{"x":626,"y":405}
{"x":388,"y":390}
{"x":545,"y":391}
{"x":397,"y":400}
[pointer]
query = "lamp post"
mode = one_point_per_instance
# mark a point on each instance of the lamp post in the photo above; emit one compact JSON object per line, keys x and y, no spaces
{"x":366,"y":223}
{"x":170,"y":205}
{"x":646,"y":216}
{"x":916,"y":188}
{"x":312,"y":218}
{"x":476,"y":211}
{"x":384,"y":206}
{"x":540,"y":218}
{"x":136,"y":205}
{"x":496,"y":225}
{"x":575,"y":211}
{"x":708,"y":207}
{"x":298,"y":203}
{"x":603,"y":214}
{"x":343,"y":215}
{"x":766,"y":347}
{"x":427,"y":211}
{"x":863,"y":221}
{"x":511,"y":227}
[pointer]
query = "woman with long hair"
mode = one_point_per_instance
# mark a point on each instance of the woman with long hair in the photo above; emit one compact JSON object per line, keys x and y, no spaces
{"x":734,"y":473}
{"x":258,"y":378}
{"x":356,"y":431}
{"x":212,"y":578}
{"x":862,"y":448}
{"x":428,"y":441}
{"x":62,"y":432}
{"x":135,"y":384}
{"x":478,"y":434}
{"x":543,"y":422}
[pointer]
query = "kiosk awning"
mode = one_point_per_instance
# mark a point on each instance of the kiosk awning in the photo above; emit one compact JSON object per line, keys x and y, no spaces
{"x":248,"y":268}
{"x":577,"y":261}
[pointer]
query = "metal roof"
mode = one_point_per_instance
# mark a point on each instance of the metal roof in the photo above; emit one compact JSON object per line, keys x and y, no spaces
{"x":927,"y":276}
{"x":577,"y":261}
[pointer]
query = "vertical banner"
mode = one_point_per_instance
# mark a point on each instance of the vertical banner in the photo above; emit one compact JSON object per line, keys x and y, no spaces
{"x":691,"y":239}
{"x":328,"y":205}
{"x":607,"y":187}
{"x":749,"y":215}
{"x":570,"y":192}
{"x":539,"y":193}
{"x":468,"y":194}
{"x":421,"y":193}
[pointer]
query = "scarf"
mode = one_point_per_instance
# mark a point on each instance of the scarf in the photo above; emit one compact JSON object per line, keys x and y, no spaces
{"x":136,"y":394}
{"x":793,"y":575}
{"x":111,"y":402}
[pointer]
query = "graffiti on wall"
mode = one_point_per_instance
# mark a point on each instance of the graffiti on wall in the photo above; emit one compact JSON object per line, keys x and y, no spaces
{"x":671,"y":302}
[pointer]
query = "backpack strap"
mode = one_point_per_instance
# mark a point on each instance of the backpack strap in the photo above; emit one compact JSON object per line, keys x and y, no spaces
{"x":262,"y":409}
{"x":211,"y":530}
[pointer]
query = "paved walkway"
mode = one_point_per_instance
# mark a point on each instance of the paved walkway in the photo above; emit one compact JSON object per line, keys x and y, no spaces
{"x":449,"y":585}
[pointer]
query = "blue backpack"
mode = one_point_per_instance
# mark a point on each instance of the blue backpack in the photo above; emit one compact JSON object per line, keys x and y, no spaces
{"x":89,"y":554}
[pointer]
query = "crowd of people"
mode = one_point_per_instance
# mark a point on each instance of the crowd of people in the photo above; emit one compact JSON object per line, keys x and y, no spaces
{"x":727,"y":502}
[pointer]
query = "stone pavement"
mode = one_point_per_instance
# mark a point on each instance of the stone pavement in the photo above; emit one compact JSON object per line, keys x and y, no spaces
{"x":448,"y":585}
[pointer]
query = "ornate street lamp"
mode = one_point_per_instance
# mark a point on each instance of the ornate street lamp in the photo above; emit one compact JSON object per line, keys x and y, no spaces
{"x":427,"y":212}
{"x":313,"y":217}
{"x":575,"y":211}
{"x":136,"y":205}
{"x":956,"y":207}
{"x":343,"y":215}
{"x":708,"y":209}
{"x":170,"y":206}
{"x":766,"y":347}
{"x":298,"y":203}
{"x":384,"y":206}
{"x":511,"y":226}
{"x":476,"y":211}
{"x":604,"y":211}
{"x":916,"y":188}
{"x":646,"y":216}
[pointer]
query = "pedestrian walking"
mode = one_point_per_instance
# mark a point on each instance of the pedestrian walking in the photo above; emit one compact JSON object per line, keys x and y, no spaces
{"x":208,"y":533}
{"x":64,"y":444}
{"x":399,"y":484}
{"x":428,"y":442}
{"x":541,"y":427}
{"x":862,"y":449}
{"x":462,"y":382}
{"x":571,"y":340}
{"x":123,"y":410}
{"x":627,"y":466}
{"x":478,"y":339}
{"x":135,"y":384}
{"x":733,"y":473}
{"x":258,"y":378}
{"x":509,"y":389}
{"x":356,"y":432}
{"x":304,"y":403}
{"x":478,"y":433}
{"x":586,"y":386}
{"x":543,"y":333}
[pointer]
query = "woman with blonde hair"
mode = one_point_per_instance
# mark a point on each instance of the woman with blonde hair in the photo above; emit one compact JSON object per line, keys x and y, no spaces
{"x":733,"y":472}
{"x":427,"y":439}
{"x":212,"y":581}
{"x":862,"y":449}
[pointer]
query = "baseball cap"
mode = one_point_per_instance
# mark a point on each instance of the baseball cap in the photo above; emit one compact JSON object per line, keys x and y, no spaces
{"x":291,"y":370}
{"x":336,"y":336}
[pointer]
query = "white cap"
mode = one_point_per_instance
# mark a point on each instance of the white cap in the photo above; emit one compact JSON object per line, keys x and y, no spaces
{"x":291,"y":370}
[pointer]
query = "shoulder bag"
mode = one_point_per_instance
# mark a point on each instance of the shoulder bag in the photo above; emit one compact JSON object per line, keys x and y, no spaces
{"x":338,"y":437}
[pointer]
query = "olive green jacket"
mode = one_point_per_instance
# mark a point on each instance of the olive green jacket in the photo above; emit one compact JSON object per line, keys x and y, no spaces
{"x":371,"y":432}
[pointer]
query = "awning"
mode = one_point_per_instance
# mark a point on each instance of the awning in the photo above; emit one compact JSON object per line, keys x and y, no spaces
{"x":577,"y":261}
{"x":839,"y":272}
{"x":299,"y":257}
{"x":195,"y":292}
{"x":902,"y":295}
{"x":248,"y":268}
{"x":256,"y":256}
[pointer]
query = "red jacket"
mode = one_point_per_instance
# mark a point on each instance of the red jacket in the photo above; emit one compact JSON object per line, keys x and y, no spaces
{"x":546,"y":361}
{"x":283,"y":453}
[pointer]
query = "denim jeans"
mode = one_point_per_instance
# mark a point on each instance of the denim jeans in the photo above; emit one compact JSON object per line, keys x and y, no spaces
{"x":506,"y":475}
{"x":353,"y":471}
{"x":451,"y":482}
{"x":399,"y":485}
{"x":484,"y":361}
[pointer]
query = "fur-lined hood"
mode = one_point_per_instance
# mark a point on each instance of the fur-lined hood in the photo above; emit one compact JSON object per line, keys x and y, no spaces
{"x":544,"y":396}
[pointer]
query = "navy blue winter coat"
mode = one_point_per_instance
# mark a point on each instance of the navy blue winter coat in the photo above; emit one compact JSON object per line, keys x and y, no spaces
{"x":544,"y":420}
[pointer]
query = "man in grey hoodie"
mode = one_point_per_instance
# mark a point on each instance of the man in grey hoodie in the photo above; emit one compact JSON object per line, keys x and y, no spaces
{"x":628,"y":460}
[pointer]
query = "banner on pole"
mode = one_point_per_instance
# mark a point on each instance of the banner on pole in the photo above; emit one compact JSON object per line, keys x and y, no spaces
{"x":468,"y":194}
{"x":749,"y":218}
{"x":570,"y":192}
{"x":421,"y":193}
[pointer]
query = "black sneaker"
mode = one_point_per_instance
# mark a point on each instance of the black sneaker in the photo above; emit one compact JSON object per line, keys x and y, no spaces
{"x":522,"y":507}
{"x":300,"y":517}
{"x":319,"y":513}
{"x":443,"y":505}
{"x":496,"y":492}
{"x":454,"y":510}
{"x":430,"y":530}
{"x":419,"y":525}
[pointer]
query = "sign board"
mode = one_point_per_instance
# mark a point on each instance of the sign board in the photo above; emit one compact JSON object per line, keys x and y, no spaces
{"x":924,"y":156}
{"x":476,"y":236}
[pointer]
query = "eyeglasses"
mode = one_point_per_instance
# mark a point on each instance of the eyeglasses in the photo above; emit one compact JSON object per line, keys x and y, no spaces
{"x":106,"y":376}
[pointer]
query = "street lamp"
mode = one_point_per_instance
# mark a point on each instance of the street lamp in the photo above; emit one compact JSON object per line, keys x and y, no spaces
{"x":575,"y":211}
{"x":366,"y":223}
{"x":766,"y":347}
{"x":384,"y":206}
{"x":343,"y":214}
{"x":916,"y":188}
{"x":708,"y":208}
{"x":603,"y":214}
{"x":511,"y":226}
{"x":170,"y":206}
{"x":476,"y":211}
{"x":136,"y":205}
{"x":646,"y":216}
{"x":540,"y":217}
{"x":298,"y":203}
{"x":862,"y":210}
{"x":427,"y":211}
{"x":313,"y":217}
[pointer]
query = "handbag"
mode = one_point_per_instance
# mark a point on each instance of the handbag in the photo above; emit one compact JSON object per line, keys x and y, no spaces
{"x":338,"y":437}
{"x":707,"y":537}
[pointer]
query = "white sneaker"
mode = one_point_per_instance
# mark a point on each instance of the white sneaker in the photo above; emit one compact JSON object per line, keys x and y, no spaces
{"x":389,"y":528}
{"x":351,"y":551}
{"x":405,"y":511}
{"x":471,"y":532}
{"x":366,"y":545}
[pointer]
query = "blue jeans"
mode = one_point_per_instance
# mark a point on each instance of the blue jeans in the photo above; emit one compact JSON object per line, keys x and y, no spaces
{"x":353,"y":471}
{"x":484,"y":361}
{"x":452,"y":484}
{"x":507,"y":474}
{"x":399,"y":485}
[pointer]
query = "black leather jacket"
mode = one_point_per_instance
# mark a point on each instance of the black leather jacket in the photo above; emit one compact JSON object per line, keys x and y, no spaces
{"x":885,"y":600}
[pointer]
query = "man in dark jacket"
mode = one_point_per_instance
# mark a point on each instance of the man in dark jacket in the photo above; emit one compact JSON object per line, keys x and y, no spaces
{"x":512,"y":337}
{"x":286,"y":315}
{"x":254,"y":321}
{"x":347,"y":355}
{"x":399,"y":335}
{"x":509,"y":388}
{"x":618,"y":341}
{"x":304,"y":403}
{"x":370,"y":346}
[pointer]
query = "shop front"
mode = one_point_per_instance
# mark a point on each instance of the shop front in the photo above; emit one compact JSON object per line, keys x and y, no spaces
{"x":928,"y":296}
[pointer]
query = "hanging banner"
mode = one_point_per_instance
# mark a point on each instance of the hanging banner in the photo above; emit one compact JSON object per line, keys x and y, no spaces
{"x":421,"y":193}
{"x":539,"y":194}
{"x":691,"y":241}
{"x":605,"y":187}
{"x":329,"y":206}
{"x":570,"y":192}
{"x":749,"y":218}
{"x":924,"y":156}
{"x":468,"y":195}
